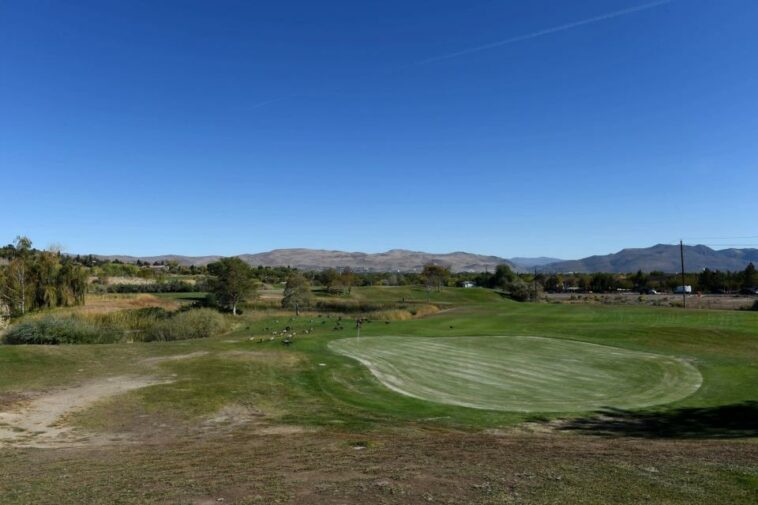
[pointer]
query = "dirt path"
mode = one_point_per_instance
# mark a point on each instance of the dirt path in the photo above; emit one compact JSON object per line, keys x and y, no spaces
{"x":38,"y":422}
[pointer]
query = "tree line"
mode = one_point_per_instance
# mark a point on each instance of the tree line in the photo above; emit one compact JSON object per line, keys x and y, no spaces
{"x":34,"y":279}
{"x":707,"y":281}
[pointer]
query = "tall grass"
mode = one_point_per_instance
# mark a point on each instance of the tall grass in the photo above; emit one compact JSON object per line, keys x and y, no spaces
{"x":55,"y":330}
{"x":148,"y":324}
{"x":198,"y":323}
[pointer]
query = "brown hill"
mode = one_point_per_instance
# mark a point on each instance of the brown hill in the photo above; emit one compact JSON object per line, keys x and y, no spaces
{"x":399,"y":260}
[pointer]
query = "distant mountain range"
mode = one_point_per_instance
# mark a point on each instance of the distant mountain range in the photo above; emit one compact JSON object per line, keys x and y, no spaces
{"x":395,"y":260}
{"x":530,"y":263}
{"x":660,"y":257}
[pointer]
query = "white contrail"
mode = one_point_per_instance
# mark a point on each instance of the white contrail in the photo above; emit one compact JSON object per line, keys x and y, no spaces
{"x":546,"y":31}
{"x":267,"y":102}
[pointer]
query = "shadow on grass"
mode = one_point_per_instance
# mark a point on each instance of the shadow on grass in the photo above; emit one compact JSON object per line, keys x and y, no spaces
{"x":727,"y":421}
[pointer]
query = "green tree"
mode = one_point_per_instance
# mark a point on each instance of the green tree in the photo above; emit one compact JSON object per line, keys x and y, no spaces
{"x":750,"y":276}
{"x":503,"y":277}
{"x":232,"y":283}
{"x":17,"y":290}
{"x":434,"y":276}
{"x":554,"y":283}
{"x":297,"y":293}
{"x":347,"y":279}
{"x":329,"y":278}
{"x":45,"y":269}
{"x":71,"y":283}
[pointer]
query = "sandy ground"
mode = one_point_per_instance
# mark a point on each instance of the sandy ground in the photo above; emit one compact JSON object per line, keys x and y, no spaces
{"x":39,"y":421}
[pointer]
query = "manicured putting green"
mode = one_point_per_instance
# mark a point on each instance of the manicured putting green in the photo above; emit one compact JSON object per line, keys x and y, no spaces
{"x":524,"y":374}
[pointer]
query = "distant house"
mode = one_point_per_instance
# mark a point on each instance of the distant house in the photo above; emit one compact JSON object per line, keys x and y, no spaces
{"x":468,"y":284}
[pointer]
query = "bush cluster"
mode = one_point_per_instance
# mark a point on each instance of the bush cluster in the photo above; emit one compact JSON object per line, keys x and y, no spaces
{"x":54,"y":330}
{"x":351,"y":306}
{"x":158,"y":287}
{"x":198,"y":323}
{"x":147,"y":325}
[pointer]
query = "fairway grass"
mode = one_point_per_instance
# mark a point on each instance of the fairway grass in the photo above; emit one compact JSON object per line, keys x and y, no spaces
{"x":522,"y":373}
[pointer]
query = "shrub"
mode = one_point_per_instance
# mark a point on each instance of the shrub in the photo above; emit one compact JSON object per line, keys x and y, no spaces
{"x":53,"y":330}
{"x":392,"y":315}
{"x":518,"y":291}
{"x":425,"y":310}
{"x":148,"y":324}
{"x":197,"y":323}
{"x":158,"y":287}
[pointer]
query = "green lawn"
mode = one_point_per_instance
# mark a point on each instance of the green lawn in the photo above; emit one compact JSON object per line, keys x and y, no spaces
{"x":522,"y":374}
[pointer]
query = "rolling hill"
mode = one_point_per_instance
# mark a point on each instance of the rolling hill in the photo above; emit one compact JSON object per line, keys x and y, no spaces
{"x":400,"y":260}
{"x":661,"y":257}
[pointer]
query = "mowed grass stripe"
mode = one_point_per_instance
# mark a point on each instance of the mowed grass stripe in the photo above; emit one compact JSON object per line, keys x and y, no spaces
{"x":537,"y":371}
{"x":397,"y":381}
{"x":526,"y":374}
{"x":469,"y":365}
{"x":483,"y":372}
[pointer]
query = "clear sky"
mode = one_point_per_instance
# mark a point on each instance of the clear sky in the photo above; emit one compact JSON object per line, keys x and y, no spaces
{"x":541,"y":127}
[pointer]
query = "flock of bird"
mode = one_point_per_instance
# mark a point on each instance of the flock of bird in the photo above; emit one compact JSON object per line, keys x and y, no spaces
{"x":287,"y":334}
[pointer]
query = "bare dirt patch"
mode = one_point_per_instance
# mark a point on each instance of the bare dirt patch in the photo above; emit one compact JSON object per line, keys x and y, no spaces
{"x":40,"y":419}
{"x":8,"y":400}
{"x":255,"y":420}
{"x":38,"y":422}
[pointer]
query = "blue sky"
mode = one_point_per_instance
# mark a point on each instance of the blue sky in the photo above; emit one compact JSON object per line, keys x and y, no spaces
{"x":493,"y":126}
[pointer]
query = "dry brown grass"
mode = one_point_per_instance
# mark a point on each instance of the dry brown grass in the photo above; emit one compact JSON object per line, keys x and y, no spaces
{"x":251,"y":465}
{"x":101,"y":304}
{"x":118,"y":281}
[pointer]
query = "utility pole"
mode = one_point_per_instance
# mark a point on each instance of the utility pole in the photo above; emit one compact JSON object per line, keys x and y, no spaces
{"x":534,"y":284}
{"x":684,"y":292}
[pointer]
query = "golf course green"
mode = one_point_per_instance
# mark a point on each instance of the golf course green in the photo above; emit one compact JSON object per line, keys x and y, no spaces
{"x":522,"y":373}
